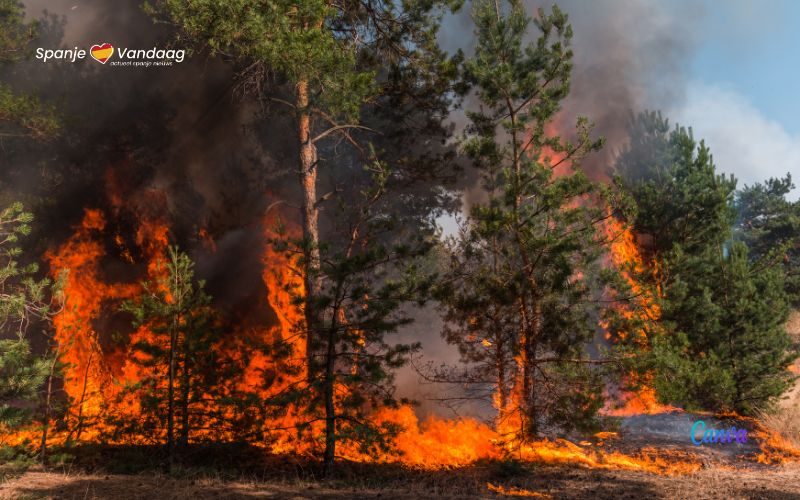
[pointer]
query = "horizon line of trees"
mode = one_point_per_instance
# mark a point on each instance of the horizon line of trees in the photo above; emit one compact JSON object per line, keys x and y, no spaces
{"x":522,"y":286}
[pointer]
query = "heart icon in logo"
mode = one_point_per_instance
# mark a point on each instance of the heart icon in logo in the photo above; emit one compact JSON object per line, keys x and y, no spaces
{"x":102,"y":53}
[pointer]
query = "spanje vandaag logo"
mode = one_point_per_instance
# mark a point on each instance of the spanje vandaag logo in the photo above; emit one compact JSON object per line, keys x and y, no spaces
{"x":115,"y":56}
{"x":102,"y":53}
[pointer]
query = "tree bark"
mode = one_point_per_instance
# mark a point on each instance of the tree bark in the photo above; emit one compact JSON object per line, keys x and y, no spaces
{"x":171,"y":395}
{"x":308,"y":181}
{"x":46,"y":416}
{"x":330,"y":409}
{"x":500,"y":370}
{"x":184,"y":436}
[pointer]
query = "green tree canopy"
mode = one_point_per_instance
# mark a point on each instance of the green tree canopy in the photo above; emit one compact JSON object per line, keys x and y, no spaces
{"x":769,"y":224}
{"x":719,"y":341}
{"x":21,"y":115}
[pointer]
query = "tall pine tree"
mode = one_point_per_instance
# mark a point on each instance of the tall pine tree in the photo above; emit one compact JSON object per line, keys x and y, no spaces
{"x":329,"y":54}
{"x":368,"y":274}
{"x":517,"y":297}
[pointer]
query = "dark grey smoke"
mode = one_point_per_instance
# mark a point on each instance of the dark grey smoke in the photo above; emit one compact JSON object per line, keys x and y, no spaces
{"x":630,"y":55}
{"x":178,"y":131}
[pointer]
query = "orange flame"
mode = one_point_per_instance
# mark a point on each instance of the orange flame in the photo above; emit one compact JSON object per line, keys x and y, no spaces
{"x":625,"y":256}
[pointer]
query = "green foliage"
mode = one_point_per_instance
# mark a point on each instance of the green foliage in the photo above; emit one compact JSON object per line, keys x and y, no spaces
{"x":727,"y":347}
{"x":20,"y":114}
{"x":719,"y":341}
{"x":517,"y":298}
{"x":368,"y":274}
{"x":769,"y":225}
{"x":21,"y":377}
{"x":27,"y":113}
{"x":300,"y":41}
{"x":15,"y":460}
{"x":24,"y":299}
{"x":681,"y":199}
{"x":14,"y":32}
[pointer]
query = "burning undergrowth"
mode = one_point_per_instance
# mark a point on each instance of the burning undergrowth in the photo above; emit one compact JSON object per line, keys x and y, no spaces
{"x":116,"y":248}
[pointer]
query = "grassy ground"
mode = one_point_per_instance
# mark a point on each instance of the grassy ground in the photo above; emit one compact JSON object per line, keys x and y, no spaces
{"x":473,"y":482}
{"x":786,"y":419}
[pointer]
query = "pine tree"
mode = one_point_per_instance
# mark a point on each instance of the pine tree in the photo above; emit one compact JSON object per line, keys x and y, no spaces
{"x":24,"y":299}
{"x":330,"y":53}
{"x":174,"y":311}
{"x":718,"y":342}
{"x":681,"y":199}
{"x":367,"y":275}
{"x":517,"y":297}
{"x":769,"y":225}
{"x":725,"y":345}
{"x":331,"y":61}
{"x":21,"y":115}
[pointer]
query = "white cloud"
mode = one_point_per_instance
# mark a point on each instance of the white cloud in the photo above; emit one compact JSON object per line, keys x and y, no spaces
{"x":743,"y":141}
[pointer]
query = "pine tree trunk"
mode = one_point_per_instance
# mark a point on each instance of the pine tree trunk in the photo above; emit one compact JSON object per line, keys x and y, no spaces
{"x":308,"y":181}
{"x":530,"y":375}
{"x":500,"y":368}
{"x":184,"y":436}
{"x":46,"y":416}
{"x":171,"y":396}
{"x":526,"y":370}
{"x":330,"y":409}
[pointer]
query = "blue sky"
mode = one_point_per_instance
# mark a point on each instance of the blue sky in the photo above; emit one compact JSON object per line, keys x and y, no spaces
{"x":742,"y":90}
{"x":753,"y":48}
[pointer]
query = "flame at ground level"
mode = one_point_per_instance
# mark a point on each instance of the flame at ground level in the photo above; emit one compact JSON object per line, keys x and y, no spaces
{"x":438,"y":443}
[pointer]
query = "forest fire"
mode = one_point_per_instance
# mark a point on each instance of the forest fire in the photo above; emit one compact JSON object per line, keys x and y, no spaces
{"x":365,"y":251}
{"x":97,"y":371}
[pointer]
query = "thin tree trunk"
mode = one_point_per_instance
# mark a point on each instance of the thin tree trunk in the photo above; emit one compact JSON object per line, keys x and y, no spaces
{"x":500,"y":369}
{"x":330,"y":409}
{"x":79,"y":426}
{"x":531,"y":344}
{"x":184,"y":437}
{"x":46,"y":416}
{"x":308,"y":181}
{"x":171,"y":395}
{"x":529,"y":319}
{"x":525,"y":369}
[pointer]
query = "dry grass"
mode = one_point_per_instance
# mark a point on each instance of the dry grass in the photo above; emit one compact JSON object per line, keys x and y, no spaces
{"x":785,"y":420}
